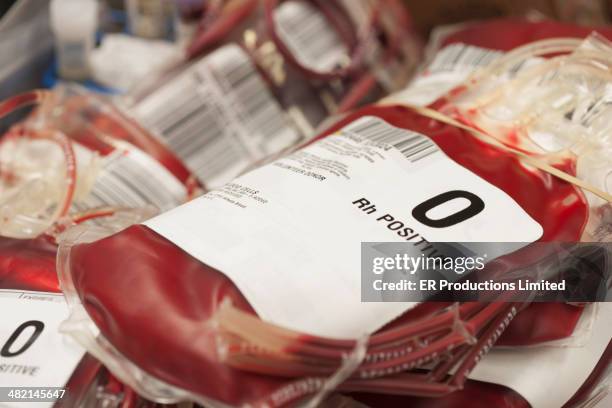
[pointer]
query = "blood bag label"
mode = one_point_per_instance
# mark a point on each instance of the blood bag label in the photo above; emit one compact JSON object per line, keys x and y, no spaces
{"x":289,"y":234}
{"x":32,"y":351}
{"x":129,"y":178}
{"x":310,"y":37}
{"x":462,"y":57}
{"x":218,"y":116}
{"x":451,"y":66}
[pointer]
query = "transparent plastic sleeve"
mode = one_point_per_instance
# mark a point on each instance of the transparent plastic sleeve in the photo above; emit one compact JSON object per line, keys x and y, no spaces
{"x":217,"y":351}
{"x":29,"y":286}
{"x":264,"y":75}
{"x":75,"y":155}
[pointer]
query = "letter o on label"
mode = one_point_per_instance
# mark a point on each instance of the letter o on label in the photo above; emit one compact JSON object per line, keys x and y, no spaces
{"x":6,"y":349}
{"x":420,"y":211}
{"x":395,"y":225}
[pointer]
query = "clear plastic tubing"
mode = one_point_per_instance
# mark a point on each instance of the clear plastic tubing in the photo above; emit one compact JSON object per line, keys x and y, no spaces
{"x":74,"y":24}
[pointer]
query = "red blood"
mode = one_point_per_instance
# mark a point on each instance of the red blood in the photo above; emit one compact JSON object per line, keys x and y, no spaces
{"x":541,"y":321}
{"x":178,"y":294}
{"x":28,"y":265}
{"x":142,"y":139}
{"x":504,"y":35}
{"x":353,"y":85}
{"x":508,"y":33}
{"x":85,"y":118}
{"x":476,"y":394}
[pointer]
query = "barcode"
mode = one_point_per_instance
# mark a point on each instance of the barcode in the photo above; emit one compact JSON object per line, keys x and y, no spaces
{"x":251,"y":97}
{"x":133,"y":180}
{"x":457,"y":56}
{"x":218,"y":116}
{"x":309,"y":36}
{"x":194,"y":128}
{"x":462,"y":56}
{"x":412,"y":145}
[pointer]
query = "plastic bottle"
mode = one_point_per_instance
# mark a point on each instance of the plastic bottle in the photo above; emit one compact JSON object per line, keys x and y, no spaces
{"x":74,"y":24}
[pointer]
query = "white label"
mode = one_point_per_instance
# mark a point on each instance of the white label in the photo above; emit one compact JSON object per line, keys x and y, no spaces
{"x":310,"y":36}
{"x":130,"y":178}
{"x":32,"y":351}
{"x":450,"y":67}
{"x":461,"y":57}
{"x":218,"y":116}
{"x":289,"y":234}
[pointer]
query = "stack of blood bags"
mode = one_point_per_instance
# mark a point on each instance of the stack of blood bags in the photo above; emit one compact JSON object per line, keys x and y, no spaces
{"x":249,"y":295}
{"x":463,"y":56}
{"x":73,"y":160}
{"x":75,"y":157}
{"x":33,"y":351}
{"x":263,"y":75}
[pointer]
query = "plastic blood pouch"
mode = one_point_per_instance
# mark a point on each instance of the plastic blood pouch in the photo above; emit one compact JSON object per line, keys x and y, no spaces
{"x":466,"y":53}
{"x":540,"y":376}
{"x":75,"y":157}
{"x":458,"y":54}
{"x":336,"y":40}
{"x":218,"y":116}
{"x":258,"y":282}
{"x":559,"y":133}
{"x":266,"y":74}
{"x":33,"y":351}
{"x":513,"y":33}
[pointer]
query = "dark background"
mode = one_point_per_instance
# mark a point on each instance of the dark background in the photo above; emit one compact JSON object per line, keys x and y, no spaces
{"x":5,"y":5}
{"x":429,"y":13}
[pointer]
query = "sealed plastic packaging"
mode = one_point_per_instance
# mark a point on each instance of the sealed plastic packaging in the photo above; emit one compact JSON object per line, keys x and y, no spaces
{"x":558,"y":140}
{"x":72,"y":160}
{"x":255,"y":286}
{"x":76,"y":157}
{"x":457,"y":52}
{"x":264,"y":75}
{"x":478,"y":51}
{"x":561,"y":142}
{"x":34,"y":352}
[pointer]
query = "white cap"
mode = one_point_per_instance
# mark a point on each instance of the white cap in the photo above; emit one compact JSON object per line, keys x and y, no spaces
{"x":74,"y":17}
